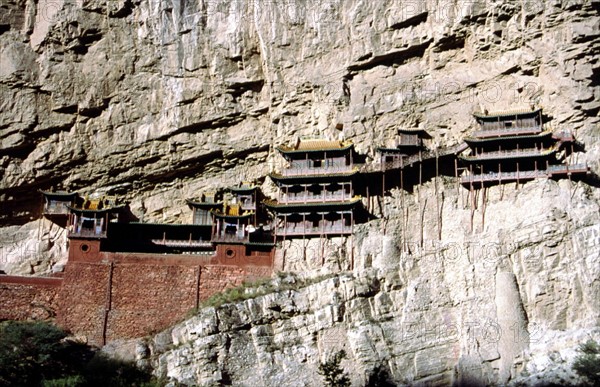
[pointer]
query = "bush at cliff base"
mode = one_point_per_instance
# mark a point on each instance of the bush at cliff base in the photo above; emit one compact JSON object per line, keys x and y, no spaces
{"x":587,"y":364}
{"x":39,"y":354}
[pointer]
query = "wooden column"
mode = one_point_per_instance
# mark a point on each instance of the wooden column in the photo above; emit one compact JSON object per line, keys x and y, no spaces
{"x":351,"y":239}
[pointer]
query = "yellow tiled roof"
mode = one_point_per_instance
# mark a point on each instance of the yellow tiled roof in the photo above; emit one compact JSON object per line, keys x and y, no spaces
{"x":317,"y":144}
{"x":506,"y":112}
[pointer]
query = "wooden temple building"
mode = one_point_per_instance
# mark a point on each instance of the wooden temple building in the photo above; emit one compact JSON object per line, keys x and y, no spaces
{"x":56,"y":205}
{"x":315,"y":196}
{"x":409,"y":148}
{"x":202,"y":209}
{"x":91,"y":217}
{"x":86,"y":217}
{"x":515,"y":147}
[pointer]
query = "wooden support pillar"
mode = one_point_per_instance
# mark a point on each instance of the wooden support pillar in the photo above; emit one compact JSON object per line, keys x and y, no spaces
{"x":437,"y":199}
{"x":483,"y":206}
{"x":402,"y":204}
{"x":456,"y":175}
{"x":303,"y":224}
{"x":199,"y":273}
{"x":351,"y":240}
{"x":471,"y":196}
{"x":383,"y":195}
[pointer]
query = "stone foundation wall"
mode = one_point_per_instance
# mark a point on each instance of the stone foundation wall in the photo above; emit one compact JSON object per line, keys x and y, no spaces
{"x":28,"y":298}
{"x":130,"y":297}
{"x":107,"y":296}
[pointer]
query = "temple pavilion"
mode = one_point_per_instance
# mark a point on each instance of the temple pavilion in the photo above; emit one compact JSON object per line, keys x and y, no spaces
{"x":408,"y":149}
{"x":56,"y":205}
{"x":513,"y":146}
{"x":90,"y":218}
{"x":235,"y":218}
{"x":202,"y":209}
{"x":315,"y":196}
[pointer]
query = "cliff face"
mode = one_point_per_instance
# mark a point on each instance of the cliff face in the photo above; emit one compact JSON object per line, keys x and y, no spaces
{"x":155,"y":101}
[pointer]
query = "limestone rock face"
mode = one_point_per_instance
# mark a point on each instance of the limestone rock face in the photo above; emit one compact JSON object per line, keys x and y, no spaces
{"x":514,"y":298}
{"x":156,"y":101}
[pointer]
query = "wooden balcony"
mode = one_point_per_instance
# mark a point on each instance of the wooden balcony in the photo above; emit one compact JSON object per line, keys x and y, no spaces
{"x":56,"y":209}
{"x":230,"y":238}
{"x":182,"y":243}
{"x":319,"y":198}
{"x":317,"y":171}
{"x":250,"y":206}
{"x":507,"y":131}
{"x":300,"y":230}
{"x":552,"y":171}
{"x":87,"y":233}
{"x":510,"y":154}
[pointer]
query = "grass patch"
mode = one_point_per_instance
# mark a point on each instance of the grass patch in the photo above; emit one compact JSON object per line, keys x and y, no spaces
{"x":248,"y":290}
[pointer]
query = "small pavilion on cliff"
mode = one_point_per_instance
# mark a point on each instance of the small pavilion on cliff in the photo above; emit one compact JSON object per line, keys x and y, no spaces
{"x":91,"y":219}
{"x":56,"y":205}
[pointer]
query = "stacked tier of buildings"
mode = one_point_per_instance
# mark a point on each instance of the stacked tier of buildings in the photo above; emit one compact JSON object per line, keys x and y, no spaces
{"x":316,"y":191}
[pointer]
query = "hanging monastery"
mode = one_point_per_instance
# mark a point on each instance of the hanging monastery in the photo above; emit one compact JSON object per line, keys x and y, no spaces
{"x":127,"y":278}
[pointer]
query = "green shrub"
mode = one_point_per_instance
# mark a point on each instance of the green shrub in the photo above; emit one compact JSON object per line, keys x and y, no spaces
{"x":38,"y":354}
{"x":31,"y":352}
{"x":587,"y":364}
{"x":332,"y":373}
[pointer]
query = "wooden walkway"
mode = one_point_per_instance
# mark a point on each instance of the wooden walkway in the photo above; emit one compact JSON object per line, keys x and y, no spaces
{"x":552,"y":171}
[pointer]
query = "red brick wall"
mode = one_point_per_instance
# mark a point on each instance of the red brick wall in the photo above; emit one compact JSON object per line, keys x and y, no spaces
{"x":25,"y":298}
{"x":148,"y":298}
{"x":83,"y":299}
{"x":145,"y":296}
{"x":109,"y":296}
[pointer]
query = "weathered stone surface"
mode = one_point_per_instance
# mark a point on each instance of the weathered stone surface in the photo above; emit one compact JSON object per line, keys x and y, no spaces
{"x":157,"y":101}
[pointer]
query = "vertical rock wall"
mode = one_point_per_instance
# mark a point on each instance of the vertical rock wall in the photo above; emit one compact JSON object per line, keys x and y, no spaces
{"x":156,"y":101}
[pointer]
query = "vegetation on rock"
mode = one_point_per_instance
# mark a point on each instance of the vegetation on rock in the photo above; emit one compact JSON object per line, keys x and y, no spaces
{"x":333,"y":374}
{"x":587,"y":364}
{"x":41,"y":354}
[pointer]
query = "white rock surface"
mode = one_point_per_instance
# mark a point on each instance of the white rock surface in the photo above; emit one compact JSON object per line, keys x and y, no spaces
{"x":159,"y":100}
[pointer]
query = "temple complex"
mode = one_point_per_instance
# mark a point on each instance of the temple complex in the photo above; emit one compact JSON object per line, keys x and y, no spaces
{"x":316,"y":196}
{"x":513,"y":146}
{"x":120,"y":268}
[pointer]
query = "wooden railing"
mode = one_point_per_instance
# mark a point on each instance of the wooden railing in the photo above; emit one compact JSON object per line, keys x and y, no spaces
{"x":553,"y":170}
{"x":229,"y":238}
{"x":87,"y":233}
{"x":300,"y":230}
{"x":507,"y":131}
{"x":181,"y":243}
{"x":426,"y":155}
{"x":56,"y":209}
{"x":510,"y":153}
{"x":317,"y":171}
{"x":328,"y":197}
